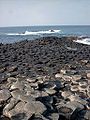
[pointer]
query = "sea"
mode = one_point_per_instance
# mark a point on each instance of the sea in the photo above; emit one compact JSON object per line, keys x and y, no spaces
{"x":16,"y":34}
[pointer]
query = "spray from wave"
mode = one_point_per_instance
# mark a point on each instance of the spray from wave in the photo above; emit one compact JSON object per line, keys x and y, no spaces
{"x":35,"y":33}
{"x":84,"y":41}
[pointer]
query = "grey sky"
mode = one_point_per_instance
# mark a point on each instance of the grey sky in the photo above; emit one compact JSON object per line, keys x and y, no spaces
{"x":44,"y":12}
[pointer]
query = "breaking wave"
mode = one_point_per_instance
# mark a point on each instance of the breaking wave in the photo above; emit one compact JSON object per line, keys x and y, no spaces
{"x":84,"y":41}
{"x":35,"y":33}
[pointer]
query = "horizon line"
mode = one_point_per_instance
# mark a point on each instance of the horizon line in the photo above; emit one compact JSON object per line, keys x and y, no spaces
{"x":46,"y":25}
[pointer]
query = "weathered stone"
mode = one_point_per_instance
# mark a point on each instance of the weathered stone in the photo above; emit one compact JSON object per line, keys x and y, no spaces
{"x":88,"y":65}
{"x":84,"y":61}
{"x":18,"y":84}
{"x":66,"y":94}
{"x":63,"y":71}
{"x":9,"y":106}
{"x":76,"y":77}
{"x":26,"y":98}
{"x":35,"y":94}
{"x":58,"y":75}
{"x":88,"y":75}
{"x":40,"y":79}
{"x":4,"y":95}
{"x":87,"y":115}
{"x":82,"y":88}
{"x":34,"y":85}
{"x":83,"y":83}
{"x":39,"y":117}
{"x":13,"y":68}
{"x":4,"y":118}
{"x":16,"y":111}
{"x":19,"y":95}
{"x":35,"y":107}
{"x":11,"y":80}
{"x":44,"y":94}
{"x":71,"y":49}
{"x":54,"y":116}
{"x":71,"y":72}
{"x":14,"y":115}
{"x":16,"y":94}
{"x":31,"y":80}
{"x":50,"y":84}
{"x":78,"y":99}
{"x":2,"y":70}
{"x":19,"y":106}
{"x":74,"y":88}
{"x":75,"y":104}
{"x":88,"y":93}
{"x":50,"y":91}
{"x":65,"y":110}
{"x":66,"y":77}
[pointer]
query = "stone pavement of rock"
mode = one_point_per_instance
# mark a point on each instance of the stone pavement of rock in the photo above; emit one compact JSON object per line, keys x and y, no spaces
{"x":56,"y":87}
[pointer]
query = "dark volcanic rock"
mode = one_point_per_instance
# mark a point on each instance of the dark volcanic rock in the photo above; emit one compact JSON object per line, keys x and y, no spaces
{"x":50,"y":52}
{"x":45,"y":79}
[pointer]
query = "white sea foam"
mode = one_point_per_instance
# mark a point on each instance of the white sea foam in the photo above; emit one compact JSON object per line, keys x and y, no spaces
{"x":35,"y":33}
{"x":84,"y":41}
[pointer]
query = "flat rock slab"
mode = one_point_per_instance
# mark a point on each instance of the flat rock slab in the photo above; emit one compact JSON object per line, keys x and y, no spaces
{"x":4,"y":95}
{"x":35,"y":107}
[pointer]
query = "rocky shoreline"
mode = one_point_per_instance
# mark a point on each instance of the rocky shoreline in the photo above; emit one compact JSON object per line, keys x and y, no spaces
{"x":45,"y":79}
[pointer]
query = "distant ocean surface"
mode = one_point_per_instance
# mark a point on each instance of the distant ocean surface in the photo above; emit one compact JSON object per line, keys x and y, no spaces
{"x":15,"y":34}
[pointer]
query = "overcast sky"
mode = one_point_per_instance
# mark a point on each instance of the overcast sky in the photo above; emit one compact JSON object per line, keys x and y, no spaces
{"x":44,"y":12}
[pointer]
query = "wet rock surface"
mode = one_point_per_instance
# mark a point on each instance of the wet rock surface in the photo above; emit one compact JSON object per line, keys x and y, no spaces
{"x":45,"y":79}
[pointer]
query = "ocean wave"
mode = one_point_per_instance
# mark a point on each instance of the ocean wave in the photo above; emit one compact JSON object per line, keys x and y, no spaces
{"x":84,"y":41}
{"x":35,"y":33}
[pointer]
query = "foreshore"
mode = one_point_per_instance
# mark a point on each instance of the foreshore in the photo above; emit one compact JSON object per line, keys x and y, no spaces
{"x":45,"y":79}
